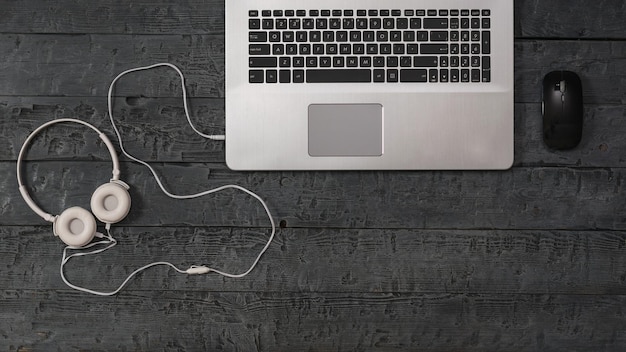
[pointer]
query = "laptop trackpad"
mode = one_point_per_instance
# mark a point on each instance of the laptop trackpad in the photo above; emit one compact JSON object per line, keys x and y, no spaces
{"x":345,"y":130}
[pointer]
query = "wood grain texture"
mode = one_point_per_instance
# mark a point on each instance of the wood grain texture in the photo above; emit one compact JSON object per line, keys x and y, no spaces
{"x":110,"y":16}
{"x":331,"y":260}
{"x":528,"y":259}
{"x":276,"y":321}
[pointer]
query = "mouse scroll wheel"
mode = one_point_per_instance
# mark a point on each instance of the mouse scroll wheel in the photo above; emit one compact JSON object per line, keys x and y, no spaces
{"x":562,"y":86}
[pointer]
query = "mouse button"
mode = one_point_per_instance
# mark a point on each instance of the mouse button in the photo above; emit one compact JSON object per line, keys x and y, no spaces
{"x":562,"y":86}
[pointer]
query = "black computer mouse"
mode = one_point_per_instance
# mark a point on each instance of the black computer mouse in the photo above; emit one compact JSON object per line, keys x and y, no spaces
{"x":562,"y":109}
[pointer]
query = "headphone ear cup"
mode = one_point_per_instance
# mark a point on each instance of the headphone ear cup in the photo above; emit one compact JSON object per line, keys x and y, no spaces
{"x":75,"y":226}
{"x":110,"y":203}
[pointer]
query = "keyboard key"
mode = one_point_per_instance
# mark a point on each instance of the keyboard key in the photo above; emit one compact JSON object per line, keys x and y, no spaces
{"x":271,"y":76}
{"x":475,"y":75}
{"x":443,"y":75}
{"x":281,"y":23}
{"x":454,"y":76}
{"x":278,"y":49}
{"x":254,"y":23}
{"x":486,"y":67}
{"x":438,"y":36}
{"x":379,"y":76}
{"x":257,"y":37}
{"x":415,"y":23}
{"x":465,"y":75}
{"x":294,"y":23}
{"x":259,"y":49}
{"x":486,"y":42}
{"x":298,"y":76}
{"x":262,"y":62}
{"x":435,"y":23}
{"x":413,"y":75}
{"x":433,"y":75}
{"x":425,"y":61}
{"x":340,"y":75}
{"x":255,"y":76}
{"x":434,"y":48}
{"x":268,"y":23}
{"x":298,"y":61}
{"x":284,"y":61}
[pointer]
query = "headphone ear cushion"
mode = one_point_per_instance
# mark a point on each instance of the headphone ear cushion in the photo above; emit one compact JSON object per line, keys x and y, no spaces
{"x":110,"y":203}
{"x":75,"y":226}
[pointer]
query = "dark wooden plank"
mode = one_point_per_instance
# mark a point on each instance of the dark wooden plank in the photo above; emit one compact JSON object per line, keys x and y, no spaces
{"x":327,"y":260}
{"x":156,"y":130}
{"x":522,"y":198}
{"x":84,"y":65}
{"x":153,"y":129}
{"x":109,"y":16}
{"x":570,"y":19}
{"x":68,"y":321}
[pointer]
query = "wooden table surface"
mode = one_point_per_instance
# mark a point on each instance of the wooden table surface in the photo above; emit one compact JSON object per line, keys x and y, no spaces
{"x":528,"y":259}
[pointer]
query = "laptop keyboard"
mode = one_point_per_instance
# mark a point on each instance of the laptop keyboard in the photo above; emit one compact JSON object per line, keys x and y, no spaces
{"x":370,"y":46}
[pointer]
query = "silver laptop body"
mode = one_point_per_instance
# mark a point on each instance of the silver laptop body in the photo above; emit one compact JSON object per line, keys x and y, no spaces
{"x":369,"y":84}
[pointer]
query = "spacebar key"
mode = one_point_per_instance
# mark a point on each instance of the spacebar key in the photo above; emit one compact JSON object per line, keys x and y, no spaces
{"x":338,"y":76}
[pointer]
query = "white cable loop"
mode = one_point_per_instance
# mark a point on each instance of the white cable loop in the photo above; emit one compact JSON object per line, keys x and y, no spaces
{"x":111,"y":242}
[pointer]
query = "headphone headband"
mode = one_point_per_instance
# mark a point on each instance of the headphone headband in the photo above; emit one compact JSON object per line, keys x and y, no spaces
{"x":24,"y":192}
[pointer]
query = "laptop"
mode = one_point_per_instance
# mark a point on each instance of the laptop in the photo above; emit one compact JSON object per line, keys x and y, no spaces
{"x":369,"y":85}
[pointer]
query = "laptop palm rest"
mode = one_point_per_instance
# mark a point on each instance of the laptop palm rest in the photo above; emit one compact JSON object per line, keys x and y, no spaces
{"x":345,"y":130}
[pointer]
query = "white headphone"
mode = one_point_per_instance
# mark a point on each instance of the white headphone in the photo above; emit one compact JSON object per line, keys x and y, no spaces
{"x":110,"y":203}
